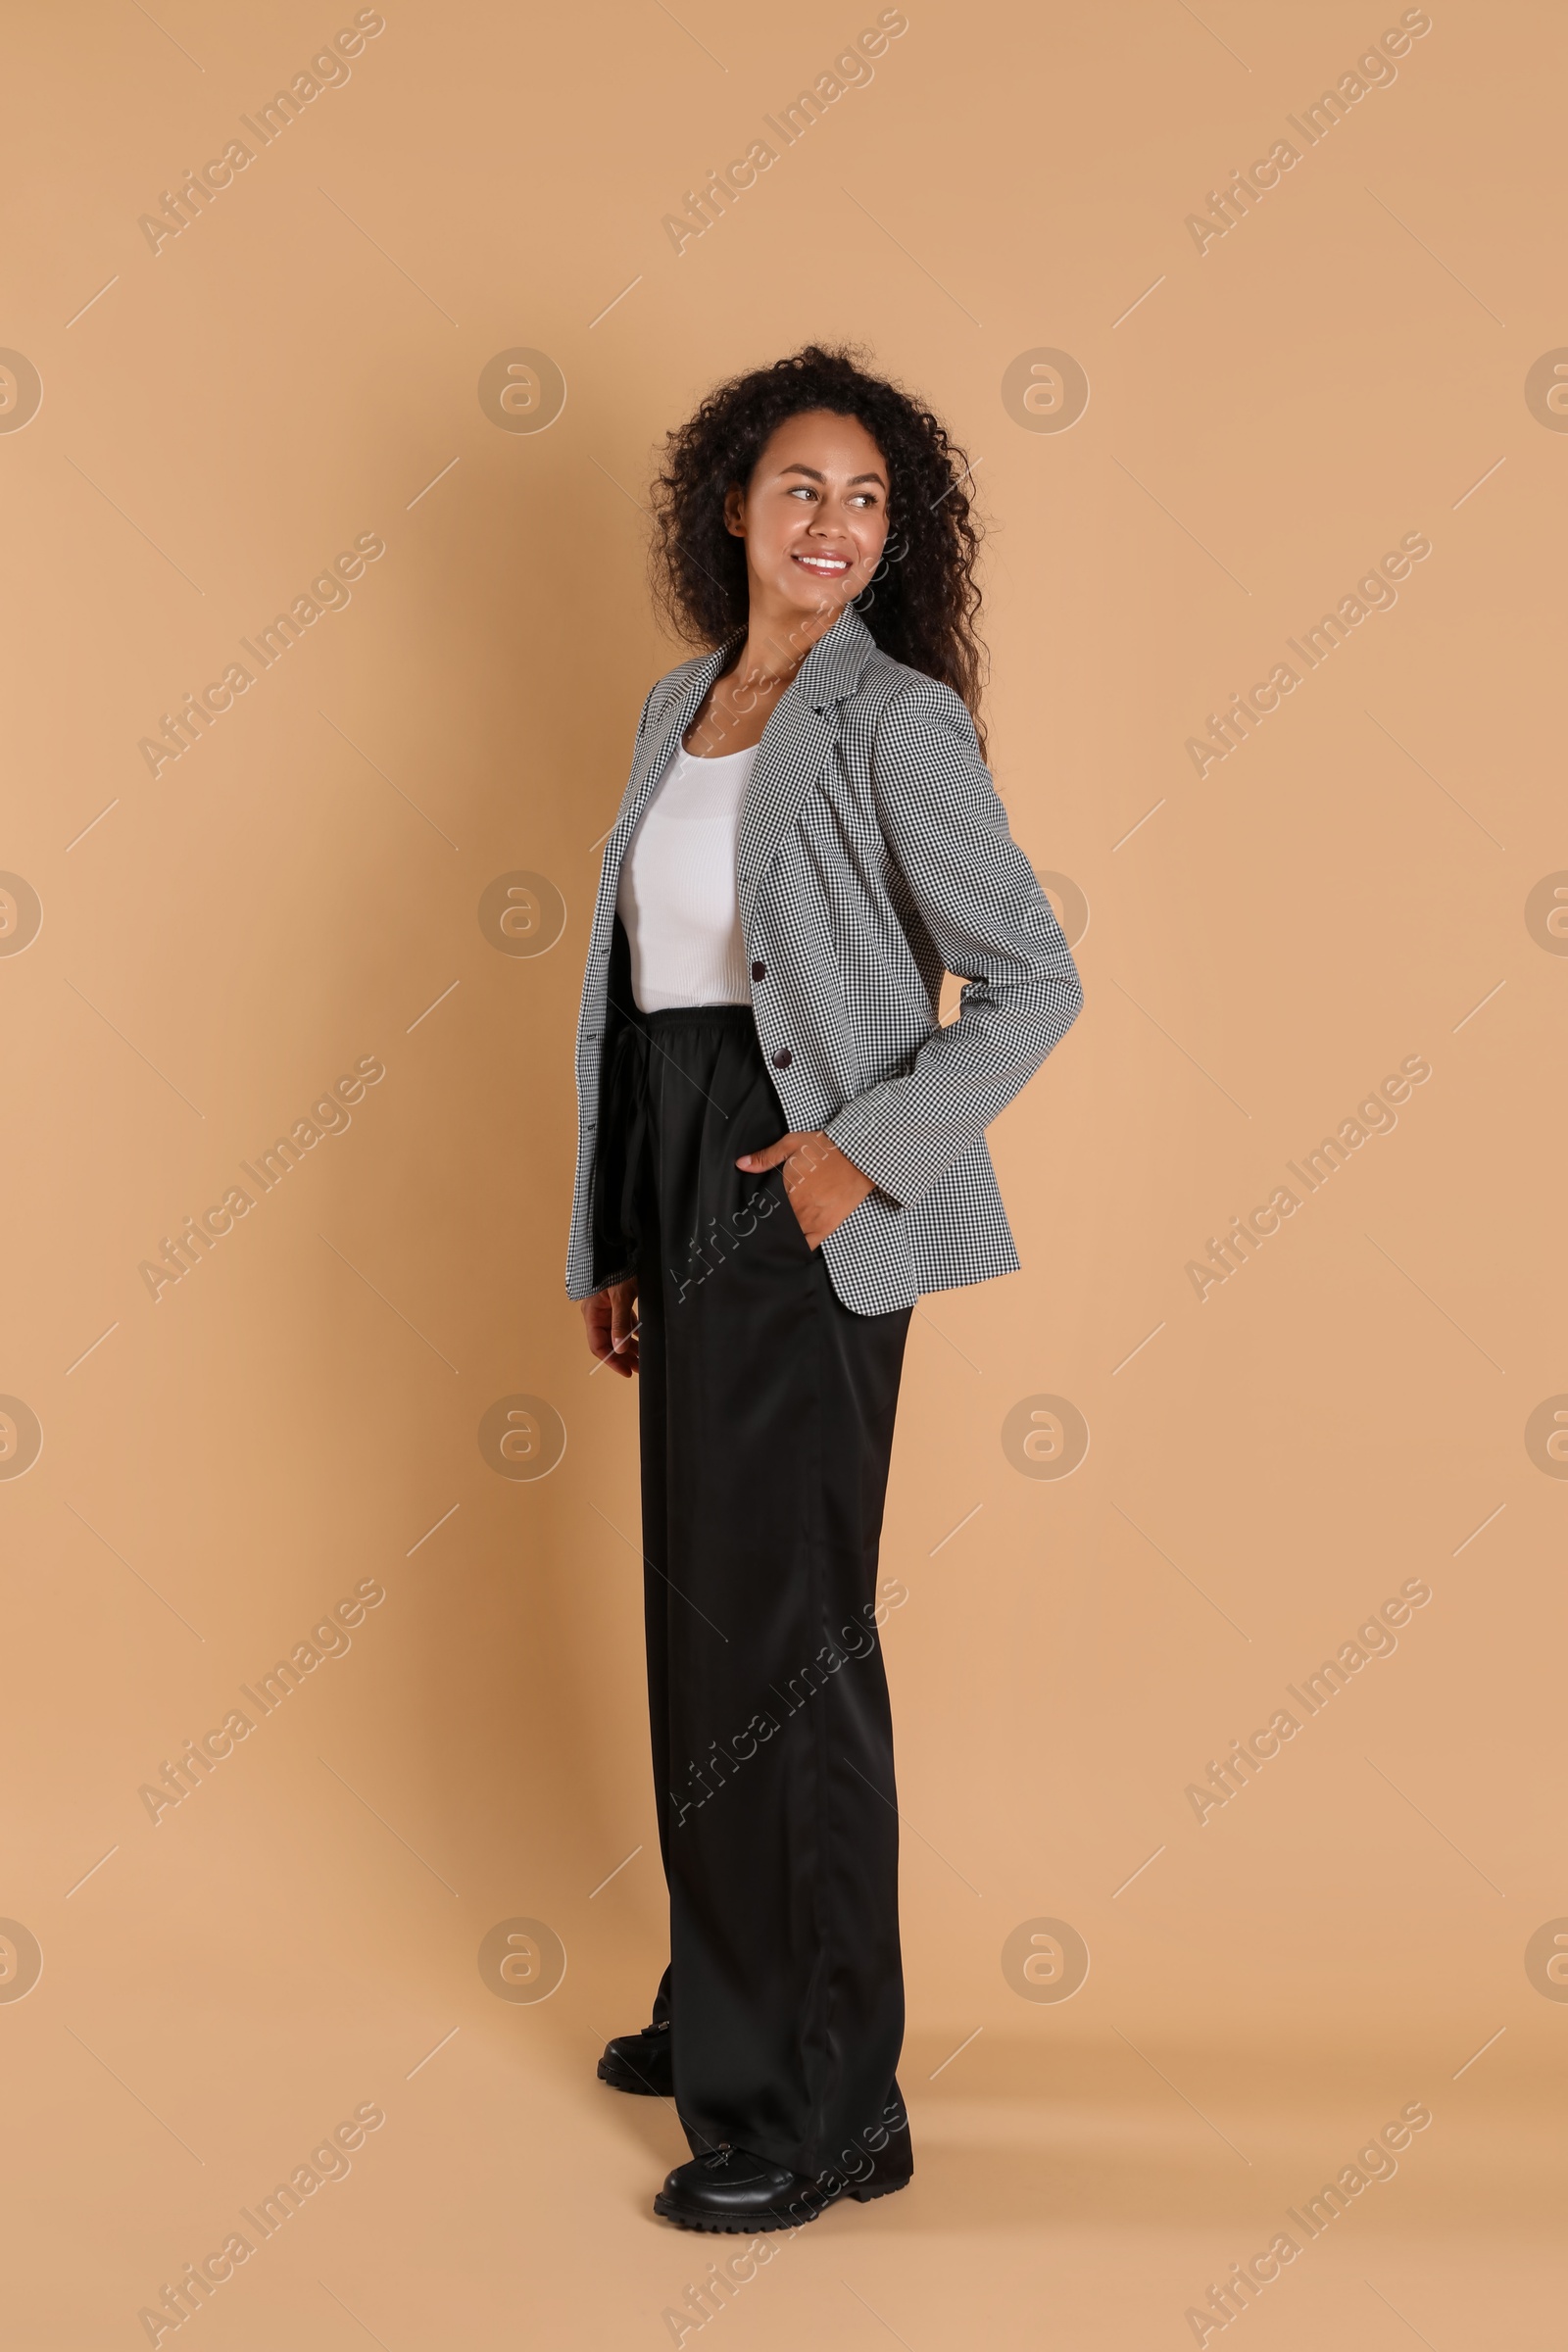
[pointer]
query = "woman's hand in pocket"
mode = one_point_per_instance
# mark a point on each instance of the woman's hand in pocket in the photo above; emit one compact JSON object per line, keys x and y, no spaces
{"x":824,"y":1187}
{"x":611,"y":1319}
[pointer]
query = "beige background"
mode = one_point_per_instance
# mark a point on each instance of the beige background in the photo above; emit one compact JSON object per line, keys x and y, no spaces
{"x":301,"y":889}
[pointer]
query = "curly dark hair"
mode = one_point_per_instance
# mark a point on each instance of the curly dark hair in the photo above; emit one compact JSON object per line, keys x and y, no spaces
{"x":923,"y":601}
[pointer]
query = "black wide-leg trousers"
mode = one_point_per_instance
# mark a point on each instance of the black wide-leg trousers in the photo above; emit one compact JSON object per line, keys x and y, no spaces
{"x":767,"y":1416}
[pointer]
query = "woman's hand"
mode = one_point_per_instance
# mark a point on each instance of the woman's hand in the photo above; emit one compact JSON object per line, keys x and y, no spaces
{"x":824,"y":1187}
{"x":611,"y":1319}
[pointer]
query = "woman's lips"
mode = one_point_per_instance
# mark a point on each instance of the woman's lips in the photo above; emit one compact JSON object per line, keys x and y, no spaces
{"x":827,"y":567}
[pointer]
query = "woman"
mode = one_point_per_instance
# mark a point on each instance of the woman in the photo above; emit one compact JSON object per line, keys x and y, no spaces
{"x":779,"y":1150}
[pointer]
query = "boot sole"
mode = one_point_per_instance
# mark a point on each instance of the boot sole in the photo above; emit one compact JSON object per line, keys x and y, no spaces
{"x":621,"y":2077}
{"x":686,"y":2216}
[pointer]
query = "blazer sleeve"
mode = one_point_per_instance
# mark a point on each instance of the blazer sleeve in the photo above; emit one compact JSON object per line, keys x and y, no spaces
{"x":991,"y":923}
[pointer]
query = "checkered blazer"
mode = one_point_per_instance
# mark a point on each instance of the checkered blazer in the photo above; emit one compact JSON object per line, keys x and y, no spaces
{"x":873,"y":855}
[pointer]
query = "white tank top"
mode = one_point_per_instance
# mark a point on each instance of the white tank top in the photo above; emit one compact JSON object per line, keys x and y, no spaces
{"x":676,"y":894}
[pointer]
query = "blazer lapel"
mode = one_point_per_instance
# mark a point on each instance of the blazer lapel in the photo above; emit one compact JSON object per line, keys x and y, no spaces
{"x":652,"y":756}
{"x":795,"y":748}
{"x":796,"y":743}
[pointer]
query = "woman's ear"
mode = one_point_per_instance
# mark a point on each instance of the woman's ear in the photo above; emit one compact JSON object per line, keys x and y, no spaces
{"x":735,"y":511}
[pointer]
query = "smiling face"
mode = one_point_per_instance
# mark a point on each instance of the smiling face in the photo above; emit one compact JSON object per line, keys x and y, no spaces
{"x":814,"y":516}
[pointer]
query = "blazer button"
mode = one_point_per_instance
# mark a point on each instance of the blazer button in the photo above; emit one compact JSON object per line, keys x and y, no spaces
{"x":758,"y":971}
{"x":783,"y":1058}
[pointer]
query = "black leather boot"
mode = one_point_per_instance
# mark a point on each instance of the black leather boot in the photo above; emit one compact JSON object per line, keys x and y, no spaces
{"x":730,"y":2189}
{"x":640,"y":2062}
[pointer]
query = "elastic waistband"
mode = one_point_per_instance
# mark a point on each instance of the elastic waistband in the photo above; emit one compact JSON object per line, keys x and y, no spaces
{"x":695,"y":1016}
